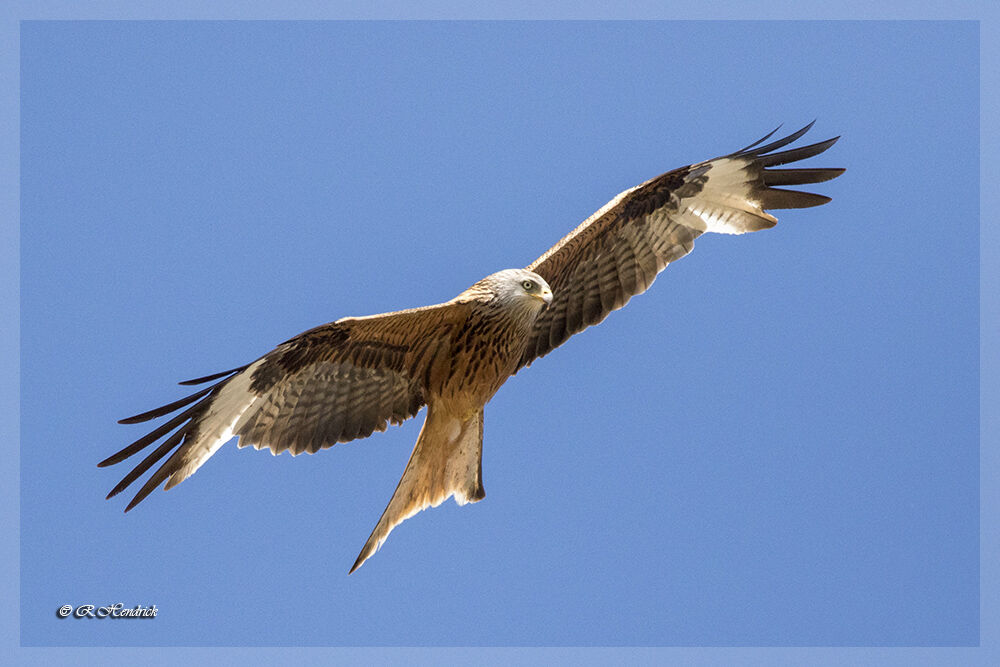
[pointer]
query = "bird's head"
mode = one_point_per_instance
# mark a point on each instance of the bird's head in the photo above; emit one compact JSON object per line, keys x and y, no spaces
{"x":522,"y":287}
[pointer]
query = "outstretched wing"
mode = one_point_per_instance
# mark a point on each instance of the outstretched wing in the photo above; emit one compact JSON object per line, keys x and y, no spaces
{"x":617,"y":252}
{"x":334,"y":383}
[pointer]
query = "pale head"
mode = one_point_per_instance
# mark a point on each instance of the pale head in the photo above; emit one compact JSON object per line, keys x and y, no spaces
{"x":519,"y":289}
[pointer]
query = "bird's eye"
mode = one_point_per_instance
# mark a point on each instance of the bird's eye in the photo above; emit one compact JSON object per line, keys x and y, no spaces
{"x":528,"y":285}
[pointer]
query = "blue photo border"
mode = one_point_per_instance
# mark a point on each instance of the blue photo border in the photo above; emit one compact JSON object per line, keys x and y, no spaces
{"x":16,"y":12}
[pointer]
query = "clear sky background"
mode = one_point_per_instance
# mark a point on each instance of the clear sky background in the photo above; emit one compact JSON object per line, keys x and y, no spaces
{"x":778,"y":444}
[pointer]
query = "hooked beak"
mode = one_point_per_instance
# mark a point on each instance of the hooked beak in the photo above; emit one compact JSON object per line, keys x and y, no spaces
{"x":545,"y":297}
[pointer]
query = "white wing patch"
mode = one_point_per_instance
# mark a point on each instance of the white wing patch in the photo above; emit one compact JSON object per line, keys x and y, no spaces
{"x":219,"y":425}
{"x":723,"y":205}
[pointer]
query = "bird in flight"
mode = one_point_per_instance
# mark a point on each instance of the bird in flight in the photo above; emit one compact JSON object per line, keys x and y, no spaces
{"x":344,"y":380}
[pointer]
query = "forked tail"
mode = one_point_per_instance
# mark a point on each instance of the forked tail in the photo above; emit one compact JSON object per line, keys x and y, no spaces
{"x":446,"y":461}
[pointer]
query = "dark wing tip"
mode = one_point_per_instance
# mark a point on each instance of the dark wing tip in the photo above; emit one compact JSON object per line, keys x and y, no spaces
{"x":759,"y":141}
{"x":777,"y":198}
{"x":755,"y":149}
{"x":793,"y":154}
{"x":764,"y":157}
{"x":152,"y":483}
{"x":213,"y":376}
{"x":139,"y":497}
{"x":135,"y":419}
{"x":166,"y":409}
{"x":773,"y":177}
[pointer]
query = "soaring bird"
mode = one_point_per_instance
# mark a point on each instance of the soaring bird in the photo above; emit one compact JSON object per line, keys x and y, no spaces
{"x":346,"y":379}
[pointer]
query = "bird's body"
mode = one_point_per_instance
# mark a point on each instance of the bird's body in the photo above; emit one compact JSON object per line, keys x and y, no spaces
{"x":344,"y":380}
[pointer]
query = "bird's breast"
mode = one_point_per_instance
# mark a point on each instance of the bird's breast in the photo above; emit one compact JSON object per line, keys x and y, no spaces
{"x":484,"y":353}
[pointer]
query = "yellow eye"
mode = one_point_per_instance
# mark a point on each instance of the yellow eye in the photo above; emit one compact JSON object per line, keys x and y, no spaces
{"x":528,"y":285}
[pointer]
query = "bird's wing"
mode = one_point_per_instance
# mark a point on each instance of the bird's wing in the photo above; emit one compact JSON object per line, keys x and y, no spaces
{"x":617,"y":252}
{"x":334,"y":383}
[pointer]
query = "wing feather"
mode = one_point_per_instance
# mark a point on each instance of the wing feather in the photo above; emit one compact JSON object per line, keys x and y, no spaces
{"x":166,"y":409}
{"x":213,"y":376}
{"x":617,"y":252}
{"x":346,"y":380}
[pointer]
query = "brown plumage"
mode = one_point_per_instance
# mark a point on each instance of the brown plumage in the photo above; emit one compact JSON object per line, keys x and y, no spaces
{"x":345,"y":380}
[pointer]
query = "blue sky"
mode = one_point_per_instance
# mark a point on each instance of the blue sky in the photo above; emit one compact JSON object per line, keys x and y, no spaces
{"x":777,"y":445}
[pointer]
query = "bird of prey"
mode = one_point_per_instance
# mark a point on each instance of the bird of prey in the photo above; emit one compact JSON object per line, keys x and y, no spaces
{"x":346,"y":379}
